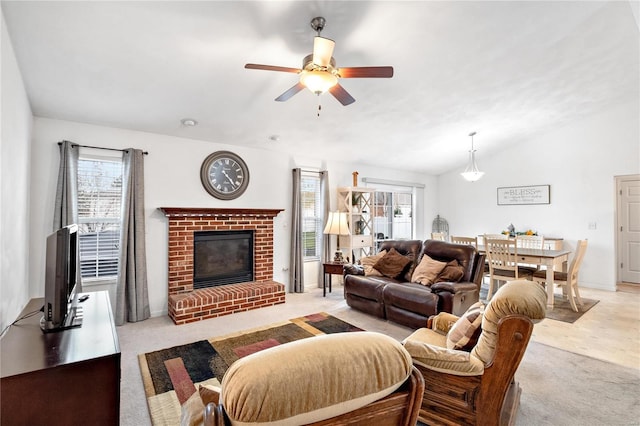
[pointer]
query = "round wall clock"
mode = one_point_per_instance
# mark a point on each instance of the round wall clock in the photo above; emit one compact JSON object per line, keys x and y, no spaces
{"x":224,"y":175}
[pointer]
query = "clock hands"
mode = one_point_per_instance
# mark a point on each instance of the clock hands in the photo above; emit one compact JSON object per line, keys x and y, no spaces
{"x":227,"y":176}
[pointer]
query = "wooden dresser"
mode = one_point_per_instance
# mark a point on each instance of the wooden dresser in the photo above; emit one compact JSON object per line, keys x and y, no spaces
{"x":70,"y":377}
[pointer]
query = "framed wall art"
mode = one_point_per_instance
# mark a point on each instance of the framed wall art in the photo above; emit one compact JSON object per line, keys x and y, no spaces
{"x":524,"y":195}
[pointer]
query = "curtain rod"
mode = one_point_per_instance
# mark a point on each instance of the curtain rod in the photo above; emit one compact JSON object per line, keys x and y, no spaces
{"x":309,"y":171}
{"x":99,"y":147}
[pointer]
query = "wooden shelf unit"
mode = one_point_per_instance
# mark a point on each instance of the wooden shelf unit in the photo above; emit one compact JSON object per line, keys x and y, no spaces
{"x":358,"y":204}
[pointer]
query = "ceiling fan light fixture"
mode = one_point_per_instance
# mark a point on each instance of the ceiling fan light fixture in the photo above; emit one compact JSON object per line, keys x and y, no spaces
{"x":318,"y":81}
{"x":472,"y":173}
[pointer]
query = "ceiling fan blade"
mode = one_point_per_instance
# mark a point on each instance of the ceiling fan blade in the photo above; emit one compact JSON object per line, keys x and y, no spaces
{"x":289,"y":93}
{"x":366,"y":72}
{"x":271,"y":68}
{"x":322,"y":51}
{"x":341,"y":95}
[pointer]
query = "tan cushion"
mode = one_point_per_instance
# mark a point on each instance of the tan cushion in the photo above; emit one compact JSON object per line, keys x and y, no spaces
{"x":443,"y":322}
{"x":368,"y":262}
{"x":313,"y":379}
{"x":427,"y":270}
{"x":452,"y":272}
{"x":392,"y":264}
{"x":428,"y":349}
{"x":465,"y":332}
{"x":522,"y":297}
{"x":192,"y":411}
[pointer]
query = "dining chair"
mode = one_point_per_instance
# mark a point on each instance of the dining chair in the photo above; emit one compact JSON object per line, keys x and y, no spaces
{"x":469,"y":241}
{"x":532,"y":242}
{"x":502,"y":255}
{"x":485,"y":237}
{"x":439,"y":236}
{"x":568,"y":280}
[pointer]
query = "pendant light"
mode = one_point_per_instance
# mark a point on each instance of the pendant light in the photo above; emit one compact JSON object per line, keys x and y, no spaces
{"x":471,"y":173}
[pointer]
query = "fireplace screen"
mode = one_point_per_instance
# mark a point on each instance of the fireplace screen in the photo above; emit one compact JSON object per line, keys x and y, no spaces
{"x":222,"y":257}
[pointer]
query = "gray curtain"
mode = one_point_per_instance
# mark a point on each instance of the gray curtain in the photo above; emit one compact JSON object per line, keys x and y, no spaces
{"x":296,"y":265}
{"x":325,"y":248}
{"x":66,"y":203}
{"x":132,"y":300}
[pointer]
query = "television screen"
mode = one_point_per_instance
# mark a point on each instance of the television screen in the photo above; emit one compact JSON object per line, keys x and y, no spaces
{"x":60,"y":299}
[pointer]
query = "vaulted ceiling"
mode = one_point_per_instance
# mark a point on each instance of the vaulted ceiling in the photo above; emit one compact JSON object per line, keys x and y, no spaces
{"x":505,"y":69}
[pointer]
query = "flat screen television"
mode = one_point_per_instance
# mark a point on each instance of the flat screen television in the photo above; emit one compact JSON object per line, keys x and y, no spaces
{"x":61,"y":309}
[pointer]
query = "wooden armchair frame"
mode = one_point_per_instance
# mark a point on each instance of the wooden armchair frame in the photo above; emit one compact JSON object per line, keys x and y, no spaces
{"x":489,"y":399}
{"x":399,"y":408}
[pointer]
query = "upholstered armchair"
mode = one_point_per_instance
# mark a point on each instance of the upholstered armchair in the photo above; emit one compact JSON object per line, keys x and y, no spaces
{"x":341,"y":378}
{"x":468,"y":362}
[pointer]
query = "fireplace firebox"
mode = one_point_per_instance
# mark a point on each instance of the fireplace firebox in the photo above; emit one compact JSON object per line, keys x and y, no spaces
{"x":222,"y":257}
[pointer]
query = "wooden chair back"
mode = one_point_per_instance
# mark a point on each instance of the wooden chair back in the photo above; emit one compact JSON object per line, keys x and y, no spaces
{"x":439,"y":236}
{"x":569,"y":282}
{"x":502,"y":255}
{"x":530,"y":241}
{"x":576,"y":262}
{"x":469,"y":241}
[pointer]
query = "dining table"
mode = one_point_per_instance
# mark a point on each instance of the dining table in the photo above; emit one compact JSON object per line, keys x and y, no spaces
{"x":551,"y":259}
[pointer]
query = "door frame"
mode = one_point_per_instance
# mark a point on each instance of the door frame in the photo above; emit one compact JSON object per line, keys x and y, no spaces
{"x":616,"y":233}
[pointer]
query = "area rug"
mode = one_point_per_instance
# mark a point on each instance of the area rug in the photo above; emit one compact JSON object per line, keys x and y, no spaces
{"x":170,"y":376}
{"x":561,"y":308}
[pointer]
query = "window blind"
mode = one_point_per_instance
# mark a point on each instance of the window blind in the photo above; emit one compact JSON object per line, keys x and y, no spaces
{"x":312,"y":216}
{"x":99,"y":215}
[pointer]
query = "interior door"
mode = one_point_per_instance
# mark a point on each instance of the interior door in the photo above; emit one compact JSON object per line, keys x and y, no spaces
{"x":629,"y":229}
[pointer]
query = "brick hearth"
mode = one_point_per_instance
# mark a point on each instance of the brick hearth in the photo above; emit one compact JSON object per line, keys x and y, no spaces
{"x":188,"y":305}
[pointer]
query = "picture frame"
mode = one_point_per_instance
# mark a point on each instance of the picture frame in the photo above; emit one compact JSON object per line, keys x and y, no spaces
{"x":524,"y":195}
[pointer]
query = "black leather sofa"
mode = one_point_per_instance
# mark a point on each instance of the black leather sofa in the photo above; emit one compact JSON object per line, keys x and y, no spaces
{"x":411,"y":304}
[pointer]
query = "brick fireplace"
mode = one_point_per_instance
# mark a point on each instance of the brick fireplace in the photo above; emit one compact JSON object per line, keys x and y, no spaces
{"x":188,"y":305}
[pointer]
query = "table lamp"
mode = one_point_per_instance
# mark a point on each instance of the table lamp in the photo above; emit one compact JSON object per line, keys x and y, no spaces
{"x":337,"y":225}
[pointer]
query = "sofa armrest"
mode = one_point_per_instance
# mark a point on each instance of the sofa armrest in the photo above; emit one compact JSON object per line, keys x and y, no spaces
{"x":453,"y":287}
{"x":351,"y":269}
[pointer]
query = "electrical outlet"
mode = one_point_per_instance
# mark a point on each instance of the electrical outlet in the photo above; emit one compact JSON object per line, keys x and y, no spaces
{"x":593,"y":225}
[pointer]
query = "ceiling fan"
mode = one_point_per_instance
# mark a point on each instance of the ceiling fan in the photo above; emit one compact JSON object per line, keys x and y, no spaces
{"x":319,"y":72}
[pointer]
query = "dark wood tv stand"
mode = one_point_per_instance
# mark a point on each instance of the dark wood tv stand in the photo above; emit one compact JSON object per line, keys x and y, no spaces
{"x":70,"y":377}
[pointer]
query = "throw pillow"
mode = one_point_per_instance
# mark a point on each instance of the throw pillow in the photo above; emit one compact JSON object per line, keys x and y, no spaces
{"x":427,"y":271}
{"x":368,"y":262}
{"x":465,"y":332}
{"x":452,"y":273}
{"x":392,"y":264}
{"x":408,"y":273}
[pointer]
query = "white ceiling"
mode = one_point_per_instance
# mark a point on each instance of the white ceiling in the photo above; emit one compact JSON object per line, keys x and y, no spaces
{"x":507,"y":70}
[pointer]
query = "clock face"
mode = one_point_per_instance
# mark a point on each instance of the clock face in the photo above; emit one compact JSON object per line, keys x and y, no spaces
{"x":224,"y":175}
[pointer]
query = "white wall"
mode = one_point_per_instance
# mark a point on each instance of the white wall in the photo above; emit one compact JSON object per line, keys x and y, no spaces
{"x":580,"y":162}
{"x":172,"y":179}
{"x":15,"y":150}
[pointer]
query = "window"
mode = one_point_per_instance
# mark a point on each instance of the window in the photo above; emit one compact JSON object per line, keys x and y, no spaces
{"x":99,"y":215}
{"x":393,"y":215}
{"x":311,"y":216}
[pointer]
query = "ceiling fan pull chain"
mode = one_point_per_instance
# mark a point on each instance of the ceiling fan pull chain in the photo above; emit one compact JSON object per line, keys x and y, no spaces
{"x":319,"y":106}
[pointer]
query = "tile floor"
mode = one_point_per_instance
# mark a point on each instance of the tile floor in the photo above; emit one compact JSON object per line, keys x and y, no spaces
{"x":609,"y":331}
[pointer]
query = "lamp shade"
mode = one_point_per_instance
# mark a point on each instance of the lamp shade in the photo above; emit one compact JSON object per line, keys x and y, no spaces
{"x":472,"y":173}
{"x":337,"y":224}
{"x":318,"y":81}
